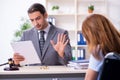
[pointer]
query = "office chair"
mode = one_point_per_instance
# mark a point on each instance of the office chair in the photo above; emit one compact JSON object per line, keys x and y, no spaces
{"x":111,"y":67}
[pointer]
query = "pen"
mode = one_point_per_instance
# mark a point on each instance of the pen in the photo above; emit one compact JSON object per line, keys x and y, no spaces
{"x":36,"y":64}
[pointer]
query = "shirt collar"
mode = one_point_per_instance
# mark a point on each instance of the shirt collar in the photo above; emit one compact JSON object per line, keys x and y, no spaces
{"x":46,"y":29}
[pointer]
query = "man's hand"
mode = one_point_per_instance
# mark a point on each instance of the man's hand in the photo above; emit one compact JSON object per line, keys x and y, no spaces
{"x":60,"y":45}
{"x":18,"y":58}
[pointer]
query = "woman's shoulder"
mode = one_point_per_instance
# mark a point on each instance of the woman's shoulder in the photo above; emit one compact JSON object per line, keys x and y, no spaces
{"x":94,"y":63}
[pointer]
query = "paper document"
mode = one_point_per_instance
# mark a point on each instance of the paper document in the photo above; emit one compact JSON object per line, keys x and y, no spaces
{"x":26,"y":49}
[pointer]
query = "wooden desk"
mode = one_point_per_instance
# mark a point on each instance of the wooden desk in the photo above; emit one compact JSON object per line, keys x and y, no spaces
{"x":43,"y":72}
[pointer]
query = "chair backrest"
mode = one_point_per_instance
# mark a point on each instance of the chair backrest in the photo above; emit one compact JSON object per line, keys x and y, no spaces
{"x":111,"y":67}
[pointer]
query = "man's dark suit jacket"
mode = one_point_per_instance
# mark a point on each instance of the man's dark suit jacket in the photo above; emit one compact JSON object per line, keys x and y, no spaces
{"x":50,"y":56}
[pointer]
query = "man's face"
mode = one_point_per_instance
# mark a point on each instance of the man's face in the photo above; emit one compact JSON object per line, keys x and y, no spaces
{"x":38,"y":20}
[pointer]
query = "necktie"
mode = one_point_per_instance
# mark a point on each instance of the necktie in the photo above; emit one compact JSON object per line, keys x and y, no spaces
{"x":41,"y":40}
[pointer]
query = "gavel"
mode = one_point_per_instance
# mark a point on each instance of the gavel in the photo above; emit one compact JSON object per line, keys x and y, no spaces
{"x":12,"y":66}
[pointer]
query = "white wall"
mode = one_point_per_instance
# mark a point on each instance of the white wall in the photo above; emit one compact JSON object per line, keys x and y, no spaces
{"x":11,"y":12}
{"x":114,"y":12}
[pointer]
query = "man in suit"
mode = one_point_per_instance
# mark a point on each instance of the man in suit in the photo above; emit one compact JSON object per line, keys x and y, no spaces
{"x":57,"y":49}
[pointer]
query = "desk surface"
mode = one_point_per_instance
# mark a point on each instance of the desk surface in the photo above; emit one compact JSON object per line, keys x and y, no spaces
{"x":43,"y":70}
{"x":40,"y":72}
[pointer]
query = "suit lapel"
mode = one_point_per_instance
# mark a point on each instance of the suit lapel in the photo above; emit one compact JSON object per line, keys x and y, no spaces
{"x":50,"y":36}
{"x":35,"y":40}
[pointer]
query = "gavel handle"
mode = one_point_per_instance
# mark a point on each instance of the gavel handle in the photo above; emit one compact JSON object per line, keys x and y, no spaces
{"x":3,"y":64}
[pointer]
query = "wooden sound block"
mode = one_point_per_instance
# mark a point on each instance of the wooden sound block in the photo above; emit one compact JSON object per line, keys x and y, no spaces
{"x":11,"y":69}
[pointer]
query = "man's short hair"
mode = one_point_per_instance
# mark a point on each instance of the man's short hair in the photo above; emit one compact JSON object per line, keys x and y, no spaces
{"x":37,"y":7}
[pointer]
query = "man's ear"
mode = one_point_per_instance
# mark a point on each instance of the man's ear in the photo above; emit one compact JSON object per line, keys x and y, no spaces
{"x":45,"y":15}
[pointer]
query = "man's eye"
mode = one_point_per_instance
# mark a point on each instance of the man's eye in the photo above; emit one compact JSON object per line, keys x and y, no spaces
{"x":31,"y":20}
{"x":38,"y":18}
